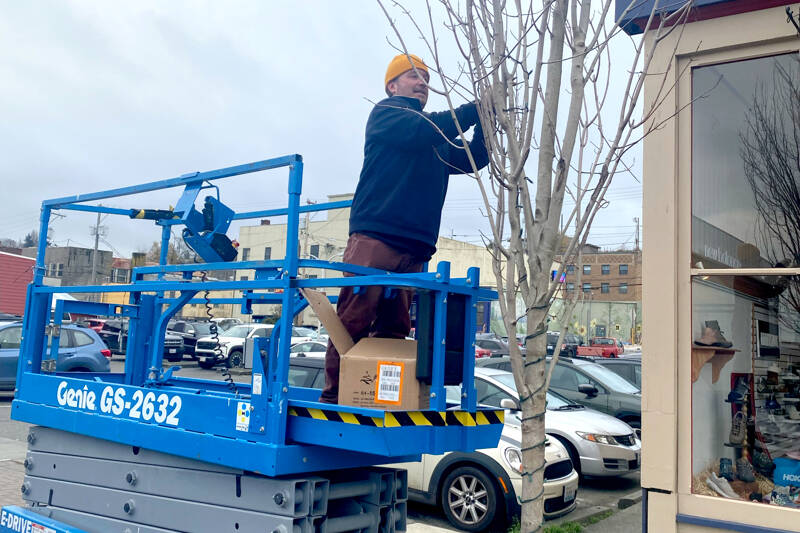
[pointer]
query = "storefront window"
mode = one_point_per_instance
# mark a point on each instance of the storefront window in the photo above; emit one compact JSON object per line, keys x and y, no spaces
{"x":745,"y":353}
{"x":746,"y":163}
{"x":746,"y":388}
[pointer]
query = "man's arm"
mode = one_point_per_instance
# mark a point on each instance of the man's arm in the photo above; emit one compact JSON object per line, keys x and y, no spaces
{"x":405,"y":127}
{"x":457,"y":157}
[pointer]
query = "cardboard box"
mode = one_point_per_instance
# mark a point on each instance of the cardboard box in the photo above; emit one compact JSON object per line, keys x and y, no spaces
{"x":374,"y":372}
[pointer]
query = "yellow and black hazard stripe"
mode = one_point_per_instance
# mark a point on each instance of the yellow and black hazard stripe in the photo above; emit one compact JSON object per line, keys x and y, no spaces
{"x":405,"y":418}
{"x":336,"y":416}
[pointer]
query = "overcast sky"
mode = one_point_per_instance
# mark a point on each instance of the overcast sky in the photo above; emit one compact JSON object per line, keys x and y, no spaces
{"x":98,"y":95}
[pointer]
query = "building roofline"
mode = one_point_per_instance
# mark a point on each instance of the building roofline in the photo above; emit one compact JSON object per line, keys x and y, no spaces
{"x":20,"y":256}
{"x":635,"y":20}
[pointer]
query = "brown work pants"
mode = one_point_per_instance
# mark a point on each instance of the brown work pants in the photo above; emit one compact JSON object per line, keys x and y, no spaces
{"x":369,"y":313}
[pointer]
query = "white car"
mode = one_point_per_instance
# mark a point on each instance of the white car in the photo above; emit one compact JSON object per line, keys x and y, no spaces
{"x":309,"y":349}
{"x":599,"y":444}
{"x":230,"y":348}
{"x":481,"y":488}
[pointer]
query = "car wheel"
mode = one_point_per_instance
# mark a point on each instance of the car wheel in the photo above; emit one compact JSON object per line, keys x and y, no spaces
{"x":573,"y":453}
{"x":235,"y":359}
{"x":469,"y":498}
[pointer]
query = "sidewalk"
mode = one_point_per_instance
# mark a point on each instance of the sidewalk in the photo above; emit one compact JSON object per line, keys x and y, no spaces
{"x":12,"y":455}
{"x":626,"y":521}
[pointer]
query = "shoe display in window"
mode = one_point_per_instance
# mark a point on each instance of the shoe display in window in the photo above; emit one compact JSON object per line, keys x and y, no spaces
{"x":721,"y":486}
{"x":711,"y":335}
{"x":726,"y":468}
{"x":740,"y":390}
{"x":744,"y":470}
{"x":793,"y":411}
{"x":773,"y":372}
{"x":738,"y":428}
{"x":763,"y":464}
{"x":772,"y":404}
{"x":782,"y":496}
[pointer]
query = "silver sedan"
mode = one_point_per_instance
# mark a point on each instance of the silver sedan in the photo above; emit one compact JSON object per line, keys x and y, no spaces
{"x":601,"y":444}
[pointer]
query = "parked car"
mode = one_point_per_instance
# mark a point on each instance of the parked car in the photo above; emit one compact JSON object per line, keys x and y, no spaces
{"x":224,"y":323}
{"x":488,"y":341}
{"x":308,"y":372}
{"x":569,"y":344}
{"x":322,"y":334}
{"x":481,"y":353}
{"x":629,"y":368}
{"x":607,"y":345}
{"x":79,"y":350}
{"x":582,"y":381}
{"x":115,"y":334}
{"x":598,"y":444}
{"x":189,"y":332}
{"x":476,"y":490}
{"x":94,"y":323}
{"x":231,"y":344}
{"x":444,"y":480}
{"x":309,"y":349}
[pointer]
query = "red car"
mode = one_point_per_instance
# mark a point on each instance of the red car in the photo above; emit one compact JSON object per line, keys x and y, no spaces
{"x":94,"y":323}
{"x":482,"y":352}
{"x":607,"y":345}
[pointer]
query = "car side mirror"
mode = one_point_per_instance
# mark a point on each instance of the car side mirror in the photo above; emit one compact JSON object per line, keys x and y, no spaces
{"x":509,"y":403}
{"x":587,"y":389}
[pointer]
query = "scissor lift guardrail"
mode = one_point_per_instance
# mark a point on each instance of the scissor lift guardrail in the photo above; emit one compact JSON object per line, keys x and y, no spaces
{"x":266,"y":426}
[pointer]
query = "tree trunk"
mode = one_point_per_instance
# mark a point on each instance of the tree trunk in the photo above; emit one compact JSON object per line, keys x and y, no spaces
{"x":533,"y":436}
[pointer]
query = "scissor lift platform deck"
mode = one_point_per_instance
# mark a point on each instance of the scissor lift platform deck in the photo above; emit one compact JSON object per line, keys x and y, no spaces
{"x":318,"y":436}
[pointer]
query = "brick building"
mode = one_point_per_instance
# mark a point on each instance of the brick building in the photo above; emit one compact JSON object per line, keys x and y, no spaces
{"x":16,"y":272}
{"x":606,"y":276}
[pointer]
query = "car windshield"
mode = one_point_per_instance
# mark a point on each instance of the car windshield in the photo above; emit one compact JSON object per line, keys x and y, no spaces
{"x":609,"y":378}
{"x":506,"y":379}
{"x":554,"y":401}
{"x":604,"y":341}
{"x":453,"y":394}
{"x":304,"y":332}
{"x":202,"y":328}
{"x":238,"y":331}
{"x":552,"y":338}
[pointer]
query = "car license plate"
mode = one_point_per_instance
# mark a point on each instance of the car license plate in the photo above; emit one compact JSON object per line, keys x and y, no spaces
{"x":569,"y":493}
{"x":173,"y":350}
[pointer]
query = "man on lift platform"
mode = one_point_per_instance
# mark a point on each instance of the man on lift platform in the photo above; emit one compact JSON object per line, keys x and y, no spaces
{"x":409,"y":156}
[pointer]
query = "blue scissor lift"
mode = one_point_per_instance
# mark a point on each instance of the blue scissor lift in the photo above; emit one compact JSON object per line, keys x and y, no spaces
{"x":266,"y":427}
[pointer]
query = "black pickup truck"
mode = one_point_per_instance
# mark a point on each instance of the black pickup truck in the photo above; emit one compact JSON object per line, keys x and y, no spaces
{"x":115,"y":334}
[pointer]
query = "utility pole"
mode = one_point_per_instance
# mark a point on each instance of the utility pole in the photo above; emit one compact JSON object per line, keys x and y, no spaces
{"x":636,"y":246}
{"x":96,"y":233}
{"x":305,"y":237}
{"x":298,"y":319}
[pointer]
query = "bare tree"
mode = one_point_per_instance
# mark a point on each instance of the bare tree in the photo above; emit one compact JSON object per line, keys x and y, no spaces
{"x":553,"y":134}
{"x":178,"y":252}
{"x":770,"y":150}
